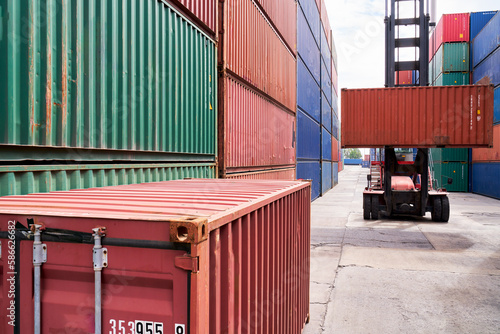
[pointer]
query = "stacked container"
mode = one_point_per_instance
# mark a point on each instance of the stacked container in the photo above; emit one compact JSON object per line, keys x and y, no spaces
{"x":107,"y":94}
{"x":316,"y":121}
{"x":451,"y":163}
{"x":486,"y":62}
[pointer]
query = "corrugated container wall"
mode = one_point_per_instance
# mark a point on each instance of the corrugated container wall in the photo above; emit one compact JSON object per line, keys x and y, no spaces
{"x":308,"y":49}
{"x":74,"y":83}
{"x":467,"y":122}
{"x":326,"y":177}
{"x":452,"y":79}
{"x":203,"y":10}
{"x":267,"y":174}
{"x":488,"y":71}
{"x":311,"y":170}
{"x":487,"y":41}
{"x":215,"y":256}
{"x":450,"y":154}
{"x":452,"y":57}
{"x":404,"y":77}
{"x":489,"y":154}
{"x":309,"y":92}
{"x":457,"y":171}
{"x":308,"y":138}
{"x":478,"y":20}
{"x":486,"y":179}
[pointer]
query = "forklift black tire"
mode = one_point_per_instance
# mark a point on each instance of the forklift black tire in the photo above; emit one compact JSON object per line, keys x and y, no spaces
{"x":445,"y":209}
{"x":366,"y":206}
{"x":375,"y":204}
{"x":436,"y":209}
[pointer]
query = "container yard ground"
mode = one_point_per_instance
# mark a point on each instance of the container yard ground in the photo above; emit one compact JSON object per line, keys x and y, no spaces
{"x":406,"y":275}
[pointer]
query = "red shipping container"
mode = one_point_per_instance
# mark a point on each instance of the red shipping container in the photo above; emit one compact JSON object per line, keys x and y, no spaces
{"x":443,"y":116}
{"x":403,"y":77}
{"x":253,"y":51}
{"x":253,"y":131}
{"x":203,"y":10}
{"x":326,"y":24}
{"x":197,"y":256}
{"x":335,"y":149}
{"x":489,"y":154}
{"x":283,"y":15}
{"x":452,"y":28}
{"x":270,"y":174}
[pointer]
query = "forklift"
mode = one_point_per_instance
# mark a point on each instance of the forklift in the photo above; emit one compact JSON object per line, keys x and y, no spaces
{"x":398,"y":187}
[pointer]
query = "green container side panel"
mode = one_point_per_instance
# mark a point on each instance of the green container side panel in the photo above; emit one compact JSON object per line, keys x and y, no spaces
{"x":123,"y":75}
{"x":22,"y":180}
{"x":458,"y":171}
{"x":452,"y":79}
{"x":451,"y":57}
{"x":450,"y":154}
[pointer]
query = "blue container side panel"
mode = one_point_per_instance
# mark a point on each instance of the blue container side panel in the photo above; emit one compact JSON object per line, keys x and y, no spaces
{"x":478,"y":21}
{"x":326,"y":177}
{"x":496,"y":106}
{"x":326,"y":84}
{"x":308,"y":92}
{"x":353,"y":161}
{"x":335,"y":102}
{"x":335,"y":171}
{"x":310,"y":170}
{"x":470,"y":170}
{"x":335,"y":127}
{"x":486,"y":179}
{"x":487,"y":40}
{"x":308,"y":137}
{"x":325,"y":53}
{"x":312,"y":16}
{"x":490,"y":67}
{"x":326,"y":145}
{"x":326,"y":114}
{"x":307,"y":47}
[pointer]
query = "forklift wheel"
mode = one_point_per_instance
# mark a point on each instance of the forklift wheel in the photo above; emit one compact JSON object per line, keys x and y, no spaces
{"x":445,"y":207}
{"x":375,"y":204}
{"x":366,"y":207}
{"x":436,"y":209}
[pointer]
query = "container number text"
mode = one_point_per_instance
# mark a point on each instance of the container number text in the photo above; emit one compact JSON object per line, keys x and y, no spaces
{"x":135,"y":327}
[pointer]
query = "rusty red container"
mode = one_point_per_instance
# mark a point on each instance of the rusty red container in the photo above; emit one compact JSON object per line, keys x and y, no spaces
{"x":268,"y":174}
{"x":403,"y":77}
{"x":252,"y":51}
{"x":451,"y":28}
{"x":489,"y":154}
{"x":253,"y":131}
{"x":283,"y":15}
{"x":443,"y":116}
{"x":335,"y":149}
{"x":204,"y":11}
{"x":190,"y":256}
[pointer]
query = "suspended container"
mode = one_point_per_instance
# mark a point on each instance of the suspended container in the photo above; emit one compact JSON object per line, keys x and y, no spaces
{"x":187,"y":256}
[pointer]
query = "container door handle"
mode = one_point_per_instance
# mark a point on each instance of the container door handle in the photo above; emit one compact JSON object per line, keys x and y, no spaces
{"x":39,"y":257}
{"x":100,"y":260}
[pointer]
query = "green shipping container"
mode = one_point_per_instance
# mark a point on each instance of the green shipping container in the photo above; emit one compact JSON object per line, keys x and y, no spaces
{"x":452,"y":79}
{"x":451,"y":57}
{"x":458,"y":171}
{"x":450,"y":154}
{"x":21,"y":180}
{"x":105,"y":75}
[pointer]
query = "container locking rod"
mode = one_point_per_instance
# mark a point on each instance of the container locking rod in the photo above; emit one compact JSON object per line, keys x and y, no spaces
{"x":100,"y":257}
{"x":39,"y":257}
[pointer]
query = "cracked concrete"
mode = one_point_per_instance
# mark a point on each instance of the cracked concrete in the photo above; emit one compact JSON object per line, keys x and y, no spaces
{"x":409,"y":275}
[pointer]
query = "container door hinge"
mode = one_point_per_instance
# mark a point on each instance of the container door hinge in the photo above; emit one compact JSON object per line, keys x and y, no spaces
{"x":188,"y":263}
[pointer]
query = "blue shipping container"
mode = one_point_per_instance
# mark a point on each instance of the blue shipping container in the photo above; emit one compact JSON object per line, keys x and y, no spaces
{"x":487,"y":40}
{"x":308,"y":137}
{"x":353,"y":161}
{"x":326,"y":114}
{"x":310,"y":170}
{"x":335,"y":102}
{"x":308,"y":92}
{"x":486,"y":179}
{"x":477,"y":22}
{"x":325,"y":53}
{"x":326,"y":145}
{"x":307,"y":48}
{"x":335,"y":171}
{"x":326,"y":84}
{"x":335,"y":126}
{"x":490,"y":67}
{"x":496,"y":106}
{"x":311,"y":13}
{"x":326,"y":176}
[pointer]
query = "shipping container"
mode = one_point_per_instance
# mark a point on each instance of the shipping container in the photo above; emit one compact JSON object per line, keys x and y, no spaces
{"x":488,"y":71}
{"x":489,"y":154}
{"x":81,"y":75}
{"x":486,"y":179}
{"x":335,"y":126}
{"x":452,"y":79}
{"x":335,"y":171}
{"x":312,"y":15}
{"x":340,"y":167}
{"x":326,"y":177}
{"x":450,"y":154}
{"x":282,"y":14}
{"x":255,"y":132}
{"x":326,"y":24}
{"x":353,"y":161}
{"x":487,"y":41}
{"x":308,"y":137}
{"x":457,"y":171}
{"x":326,"y":54}
{"x":432,"y":44}
{"x":326,"y":145}
{"x":310,"y":170}
{"x":446,"y":116}
{"x":432,"y":72}
{"x":335,"y":102}
{"x":270,"y":66}
{"x":27,"y":179}
{"x":203,"y":10}
{"x":326,"y":114}
{"x":326,"y":83}
{"x":452,"y":57}
{"x":478,"y":20}
{"x":307,"y":48}
{"x":496,"y":112}
{"x":334,"y":52}
{"x":335,"y":80}
{"x":309,"y":97}
{"x":269,"y":174}
{"x":335,"y":149}
{"x":452,"y":28}
{"x":188,"y":256}
{"x":403,"y":77}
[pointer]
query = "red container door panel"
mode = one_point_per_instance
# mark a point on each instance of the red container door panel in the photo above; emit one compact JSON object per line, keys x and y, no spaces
{"x":139,"y":285}
{"x":489,"y":154}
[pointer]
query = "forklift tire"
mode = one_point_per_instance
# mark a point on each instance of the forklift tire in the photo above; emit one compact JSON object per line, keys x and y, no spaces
{"x":436,"y":209}
{"x":366,"y":206}
{"x":375,"y":203}
{"x":445,"y":207}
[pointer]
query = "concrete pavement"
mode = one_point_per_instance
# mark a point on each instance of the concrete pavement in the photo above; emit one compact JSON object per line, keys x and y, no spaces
{"x":403,"y":276}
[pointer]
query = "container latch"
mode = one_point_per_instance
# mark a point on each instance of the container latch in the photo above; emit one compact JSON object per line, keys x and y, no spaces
{"x":188,"y":263}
